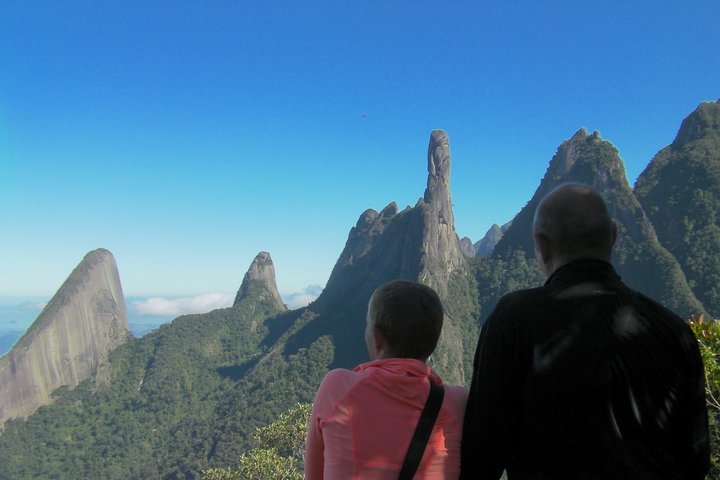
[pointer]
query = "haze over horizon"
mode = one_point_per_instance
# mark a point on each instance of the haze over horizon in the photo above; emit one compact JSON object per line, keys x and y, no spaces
{"x":187,"y":137}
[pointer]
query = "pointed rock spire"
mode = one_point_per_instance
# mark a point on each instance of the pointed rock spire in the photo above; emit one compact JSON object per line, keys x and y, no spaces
{"x":260,"y":280}
{"x":441,"y":246}
{"x":437,"y":192}
{"x":417,"y":243}
{"x":72,"y":336}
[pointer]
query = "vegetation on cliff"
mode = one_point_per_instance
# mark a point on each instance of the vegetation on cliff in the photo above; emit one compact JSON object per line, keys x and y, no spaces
{"x":680,"y":192}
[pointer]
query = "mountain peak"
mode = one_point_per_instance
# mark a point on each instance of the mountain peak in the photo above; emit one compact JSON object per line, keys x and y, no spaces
{"x":703,"y":123}
{"x":679,"y":190}
{"x":75,"y":333}
{"x":260,"y":279}
{"x":437,"y":192}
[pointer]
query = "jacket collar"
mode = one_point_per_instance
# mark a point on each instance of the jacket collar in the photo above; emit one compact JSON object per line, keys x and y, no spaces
{"x":583,"y":270}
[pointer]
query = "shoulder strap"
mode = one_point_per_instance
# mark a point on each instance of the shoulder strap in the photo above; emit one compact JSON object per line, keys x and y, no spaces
{"x":422,"y":432}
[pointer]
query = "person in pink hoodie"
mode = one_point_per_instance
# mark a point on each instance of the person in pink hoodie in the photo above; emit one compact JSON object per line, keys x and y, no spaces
{"x":363,"y":419}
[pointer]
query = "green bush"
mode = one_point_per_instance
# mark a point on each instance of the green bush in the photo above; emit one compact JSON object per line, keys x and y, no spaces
{"x":279,"y":452}
{"x":708,"y":335}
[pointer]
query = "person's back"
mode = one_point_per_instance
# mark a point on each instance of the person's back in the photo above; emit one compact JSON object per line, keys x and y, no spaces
{"x":367,"y":417}
{"x":584,"y":378}
{"x":364,"y":419}
{"x":605,"y":384}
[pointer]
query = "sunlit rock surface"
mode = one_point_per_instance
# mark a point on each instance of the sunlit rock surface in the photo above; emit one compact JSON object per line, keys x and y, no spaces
{"x":260,"y":279}
{"x":72,"y":336}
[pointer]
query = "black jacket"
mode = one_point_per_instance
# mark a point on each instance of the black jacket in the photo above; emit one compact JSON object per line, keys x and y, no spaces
{"x":584,"y":378}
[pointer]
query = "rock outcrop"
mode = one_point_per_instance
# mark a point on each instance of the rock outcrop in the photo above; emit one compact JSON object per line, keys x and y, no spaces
{"x":442,"y":254}
{"x":418,"y":243}
{"x":72,"y":336}
{"x":467,"y":247}
{"x":260,"y":281}
{"x":486,"y":245}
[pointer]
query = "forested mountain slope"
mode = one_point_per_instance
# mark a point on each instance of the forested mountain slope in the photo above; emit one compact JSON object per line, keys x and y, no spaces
{"x":680,"y":191}
{"x":177,"y":400}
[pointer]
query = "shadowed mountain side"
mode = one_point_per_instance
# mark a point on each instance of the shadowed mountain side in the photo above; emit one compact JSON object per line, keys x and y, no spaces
{"x":638,"y":256}
{"x":70,"y":339}
{"x":680,"y":191}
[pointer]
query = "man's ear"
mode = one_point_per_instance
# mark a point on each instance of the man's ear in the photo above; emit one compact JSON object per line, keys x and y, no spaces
{"x":614,"y":233}
{"x":542,"y":249}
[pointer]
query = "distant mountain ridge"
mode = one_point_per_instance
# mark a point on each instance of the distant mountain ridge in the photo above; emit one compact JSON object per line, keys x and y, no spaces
{"x":188,"y":395}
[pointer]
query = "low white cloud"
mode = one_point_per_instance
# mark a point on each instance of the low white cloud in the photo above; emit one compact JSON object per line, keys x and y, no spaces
{"x":303,"y":298}
{"x":299,"y":300}
{"x":173,"y":307}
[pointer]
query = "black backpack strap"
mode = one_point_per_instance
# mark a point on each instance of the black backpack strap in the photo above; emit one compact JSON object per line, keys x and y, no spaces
{"x":422,"y":432}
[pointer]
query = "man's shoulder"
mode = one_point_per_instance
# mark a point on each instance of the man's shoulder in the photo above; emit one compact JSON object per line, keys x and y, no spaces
{"x":518,"y":298}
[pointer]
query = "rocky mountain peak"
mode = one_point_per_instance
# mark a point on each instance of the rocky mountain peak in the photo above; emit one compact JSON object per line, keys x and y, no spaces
{"x":679,"y":191}
{"x":442,"y":253}
{"x":703,"y":123}
{"x":437,"y":192}
{"x":260,"y":280}
{"x":73,"y":335}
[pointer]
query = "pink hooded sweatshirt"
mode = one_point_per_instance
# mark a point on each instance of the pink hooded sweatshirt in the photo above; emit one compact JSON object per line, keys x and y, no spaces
{"x":363,"y":419}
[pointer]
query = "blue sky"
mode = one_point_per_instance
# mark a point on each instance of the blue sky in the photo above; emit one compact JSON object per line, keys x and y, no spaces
{"x":187,"y":136}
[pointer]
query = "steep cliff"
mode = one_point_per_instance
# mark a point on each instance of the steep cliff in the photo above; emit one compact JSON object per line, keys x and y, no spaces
{"x":72,"y":336}
{"x":680,"y":191}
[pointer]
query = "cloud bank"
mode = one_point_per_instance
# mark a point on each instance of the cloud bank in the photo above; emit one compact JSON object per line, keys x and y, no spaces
{"x":173,"y":307}
{"x":176,"y":306}
{"x":303,"y":298}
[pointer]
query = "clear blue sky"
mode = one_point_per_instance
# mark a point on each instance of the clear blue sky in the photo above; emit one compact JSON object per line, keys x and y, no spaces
{"x":187,"y":136}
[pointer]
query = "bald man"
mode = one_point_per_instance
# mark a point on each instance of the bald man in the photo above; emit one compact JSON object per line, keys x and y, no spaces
{"x":584,"y":378}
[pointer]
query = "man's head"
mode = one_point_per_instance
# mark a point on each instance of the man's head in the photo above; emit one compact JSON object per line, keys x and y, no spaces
{"x":572,"y":222}
{"x":404,"y":320}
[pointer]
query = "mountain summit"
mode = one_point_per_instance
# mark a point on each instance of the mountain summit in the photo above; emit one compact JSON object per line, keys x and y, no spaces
{"x":260,"y":280}
{"x":72,"y":336}
{"x":680,"y":191}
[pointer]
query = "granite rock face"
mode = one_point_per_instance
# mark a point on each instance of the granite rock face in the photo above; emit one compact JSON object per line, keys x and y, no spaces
{"x":72,"y":336}
{"x":467,"y":247}
{"x":441,"y":248}
{"x":260,"y":280}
